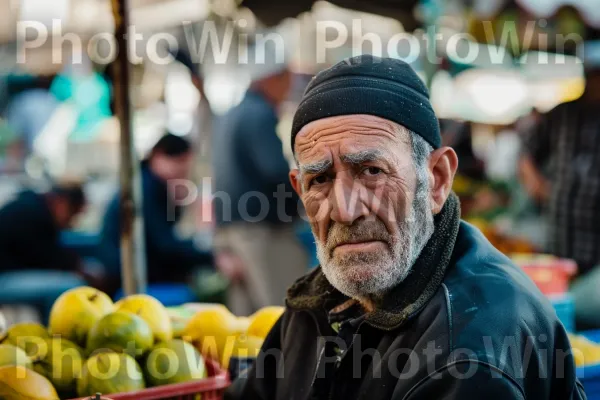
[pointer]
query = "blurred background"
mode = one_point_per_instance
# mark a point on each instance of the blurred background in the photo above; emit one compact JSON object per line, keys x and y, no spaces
{"x":496,"y":70}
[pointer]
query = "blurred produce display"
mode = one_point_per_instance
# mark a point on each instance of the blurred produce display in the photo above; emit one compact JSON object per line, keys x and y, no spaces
{"x":506,"y":243}
{"x":94,"y":346}
{"x":585,"y":351}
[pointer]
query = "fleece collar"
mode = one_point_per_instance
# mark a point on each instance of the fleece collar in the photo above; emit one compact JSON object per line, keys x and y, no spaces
{"x":313,"y":291}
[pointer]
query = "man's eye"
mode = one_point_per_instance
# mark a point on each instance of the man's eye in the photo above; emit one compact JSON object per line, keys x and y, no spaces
{"x":372,"y":171}
{"x":318,"y":180}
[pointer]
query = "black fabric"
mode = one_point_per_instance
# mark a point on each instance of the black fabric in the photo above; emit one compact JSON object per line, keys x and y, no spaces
{"x":29,"y":237}
{"x":168,"y":257}
{"x":487,"y":333}
{"x":383,"y":87}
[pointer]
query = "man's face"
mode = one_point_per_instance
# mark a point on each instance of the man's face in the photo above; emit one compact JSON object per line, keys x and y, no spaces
{"x":172,"y":167}
{"x":278,"y":86}
{"x":368,"y":208}
{"x":65,"y":214}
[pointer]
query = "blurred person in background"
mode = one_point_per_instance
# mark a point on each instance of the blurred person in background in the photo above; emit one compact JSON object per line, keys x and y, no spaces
{"x":34,"y":266}
{"x":560,"y":168}
{"x":169,"y":258}
{"x":254,"y":203}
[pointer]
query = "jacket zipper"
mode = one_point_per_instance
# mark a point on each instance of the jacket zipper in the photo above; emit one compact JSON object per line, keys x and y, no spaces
{"x":340,"y":359}
{"x":314,"y":380}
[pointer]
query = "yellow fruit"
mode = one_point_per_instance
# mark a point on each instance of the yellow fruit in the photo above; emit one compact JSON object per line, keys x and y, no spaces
{"x":210,"y":330}
{"x":263,"y":320}
{"x":151,"y":311}
{"x":585,"y":351}
{"x":173,"y":362}
{"x":26,"y":335}
{"x":12,"y":355}
{"x":61,"y":363}
{"x":243,"y":347}
{"x":19,"y":383}
{"x":121,"y":331}
{"x":243,"y":324}
{"x":109,"y":373}
{"x":76,"y":311}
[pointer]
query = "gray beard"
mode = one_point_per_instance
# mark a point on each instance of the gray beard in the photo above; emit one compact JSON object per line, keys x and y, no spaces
{"x":369,"y":276}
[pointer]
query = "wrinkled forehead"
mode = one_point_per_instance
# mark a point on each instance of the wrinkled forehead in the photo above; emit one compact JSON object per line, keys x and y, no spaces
{"x":350,"y":134}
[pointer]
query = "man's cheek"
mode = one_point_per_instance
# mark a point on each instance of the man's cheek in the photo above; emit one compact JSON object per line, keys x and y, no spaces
{"x":390,"y":209}
{"x":317,"y":207}
{"x":318,"y":211}
{"x":381,"y":200}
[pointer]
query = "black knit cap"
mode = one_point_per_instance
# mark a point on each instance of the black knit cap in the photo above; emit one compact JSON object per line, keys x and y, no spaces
{"x":383,"y":87}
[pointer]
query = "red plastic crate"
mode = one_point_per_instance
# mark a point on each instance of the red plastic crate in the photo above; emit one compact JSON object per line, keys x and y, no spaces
{"x":551,"y":275}
{"x":210,"y":388}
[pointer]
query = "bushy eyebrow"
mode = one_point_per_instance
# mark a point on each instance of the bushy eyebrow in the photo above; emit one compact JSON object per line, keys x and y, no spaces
{"x":357,"y":158}
{"x":361,"y":156}
{"x":316,"y":168}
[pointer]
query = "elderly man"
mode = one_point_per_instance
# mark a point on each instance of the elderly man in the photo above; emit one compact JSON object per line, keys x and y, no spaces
{"x":409,"y":302}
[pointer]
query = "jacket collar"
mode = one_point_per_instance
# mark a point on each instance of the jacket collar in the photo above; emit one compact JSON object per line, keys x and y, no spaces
{"x":313,"y":291}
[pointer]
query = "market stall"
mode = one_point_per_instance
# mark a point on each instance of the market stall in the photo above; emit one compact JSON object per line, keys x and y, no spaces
{"x":180,"y":347}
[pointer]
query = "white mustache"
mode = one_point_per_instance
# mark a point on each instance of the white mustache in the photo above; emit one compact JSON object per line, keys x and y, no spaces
{"x":361,"y":232}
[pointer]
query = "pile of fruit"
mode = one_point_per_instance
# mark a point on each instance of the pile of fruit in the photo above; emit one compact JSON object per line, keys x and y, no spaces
{"x":585,"y":351}
{"x":93,"y":345}
{"x":221,"y":336}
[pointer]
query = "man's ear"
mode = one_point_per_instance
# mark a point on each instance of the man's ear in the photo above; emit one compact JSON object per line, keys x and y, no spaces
{"x":295,"y":180}
{"x":443,"y":163}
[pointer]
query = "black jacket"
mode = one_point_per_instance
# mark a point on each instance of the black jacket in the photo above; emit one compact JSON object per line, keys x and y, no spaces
{"x":29,"y":237}
{"x":469,"y":326}
{"x":168,"y":257}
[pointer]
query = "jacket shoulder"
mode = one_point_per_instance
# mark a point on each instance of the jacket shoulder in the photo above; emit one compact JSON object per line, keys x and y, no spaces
{"x":495,"y":311}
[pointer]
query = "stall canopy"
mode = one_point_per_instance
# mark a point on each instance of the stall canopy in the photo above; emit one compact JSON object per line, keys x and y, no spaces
{"x":272,"y":12}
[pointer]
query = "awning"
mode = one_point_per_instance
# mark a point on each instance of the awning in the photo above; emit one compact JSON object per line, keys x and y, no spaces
{"x":272,"y":12}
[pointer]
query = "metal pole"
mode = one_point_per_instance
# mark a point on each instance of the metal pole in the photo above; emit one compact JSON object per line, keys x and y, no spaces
{"x":133,"y":262}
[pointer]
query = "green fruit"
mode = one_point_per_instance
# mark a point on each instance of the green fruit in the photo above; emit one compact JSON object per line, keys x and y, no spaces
{"x":61,"y":364}
{"x":109,"y":373}
{"x":121,"y":331}
{"x":12,"y":355}
{"x":27,"y":335}
{"x":175,"y":361}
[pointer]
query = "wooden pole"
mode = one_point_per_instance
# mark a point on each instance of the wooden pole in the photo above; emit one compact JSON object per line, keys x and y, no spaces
{"x":133,"y":260}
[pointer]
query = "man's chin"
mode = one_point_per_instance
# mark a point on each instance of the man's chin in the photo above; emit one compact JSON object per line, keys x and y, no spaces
{"x":361,"y":279}
{"x":359,"y":273}
{"x":353,"y":277}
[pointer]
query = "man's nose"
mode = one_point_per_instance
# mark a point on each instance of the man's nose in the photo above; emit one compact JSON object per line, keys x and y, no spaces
{"x":347,"y":201}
